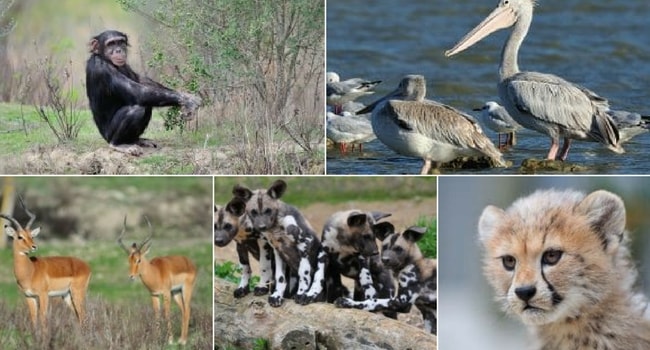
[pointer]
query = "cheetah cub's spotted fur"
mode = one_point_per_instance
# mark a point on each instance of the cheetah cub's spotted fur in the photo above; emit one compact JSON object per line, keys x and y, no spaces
{"x":559,"y":260}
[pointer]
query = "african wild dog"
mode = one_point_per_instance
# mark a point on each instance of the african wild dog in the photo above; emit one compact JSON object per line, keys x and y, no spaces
{"x":349,"y":238}
{"x":299,"y":249}
{"x":416,"y":276}
{"x":229,"y":226}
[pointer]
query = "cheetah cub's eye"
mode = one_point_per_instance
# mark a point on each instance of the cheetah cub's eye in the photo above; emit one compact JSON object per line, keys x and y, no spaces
{"x":551,"y":257}
{"x":509,"y":262}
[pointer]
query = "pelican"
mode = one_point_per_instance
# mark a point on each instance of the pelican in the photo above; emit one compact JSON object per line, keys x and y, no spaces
{"x":495,"y":117}
{"x":341,"y":92}
{"x":349,"y":129}
{"x":413,"y":126}
{"x":629,"y":124}
{"x":542,"y":102}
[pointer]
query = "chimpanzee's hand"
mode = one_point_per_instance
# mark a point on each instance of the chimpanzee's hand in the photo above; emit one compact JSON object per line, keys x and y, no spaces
{"x":189,"y":104}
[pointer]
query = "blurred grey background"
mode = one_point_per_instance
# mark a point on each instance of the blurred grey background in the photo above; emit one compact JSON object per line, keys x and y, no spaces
{"x":468,"y":316}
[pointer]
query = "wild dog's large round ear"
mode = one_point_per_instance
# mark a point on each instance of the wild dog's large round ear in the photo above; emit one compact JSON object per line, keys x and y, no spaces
{"x":605,"y":213}
{"x":277,"y":189}
{"x":357,"y":219}
{"x":414,"y":233}
{"x":378,"y":215}
{"x":488,"y":222}
{"x":383,"y":230}
{"x":236,"y":206}
{"x":242,"y":192}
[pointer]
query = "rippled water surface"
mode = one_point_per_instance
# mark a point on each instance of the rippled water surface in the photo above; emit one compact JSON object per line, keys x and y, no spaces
{"x":601,"y":45}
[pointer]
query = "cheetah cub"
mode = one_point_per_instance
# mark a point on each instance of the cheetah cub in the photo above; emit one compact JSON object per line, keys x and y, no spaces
{"x":560,"y":261}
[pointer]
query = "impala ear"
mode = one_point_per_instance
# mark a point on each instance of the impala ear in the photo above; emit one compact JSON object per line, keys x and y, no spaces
{"x":144,"y":250}
{"x":9,"y":231}
{"x":36,"y":231}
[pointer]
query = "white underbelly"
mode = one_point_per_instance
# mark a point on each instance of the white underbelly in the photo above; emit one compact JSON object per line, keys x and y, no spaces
{"x":53,"y":293}
{"x":418,"y":145}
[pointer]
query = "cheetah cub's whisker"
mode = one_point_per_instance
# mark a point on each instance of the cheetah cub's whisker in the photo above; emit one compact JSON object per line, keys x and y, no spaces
{"x":560,"y":261}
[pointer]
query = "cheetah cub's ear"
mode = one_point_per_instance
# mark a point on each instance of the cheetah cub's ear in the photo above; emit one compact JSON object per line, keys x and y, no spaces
{"x":488,"y":222}
{"x":605,"y":213}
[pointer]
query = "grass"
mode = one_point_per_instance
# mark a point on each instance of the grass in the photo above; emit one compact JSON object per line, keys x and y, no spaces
{"x":29,"y":146}
{"x":429,"y":243}
{"x":182,"y":186}
{"x":334,"y":189}
{"x":22,"y":129}
{"x":24,"y":133}
{"x":116,"y":306}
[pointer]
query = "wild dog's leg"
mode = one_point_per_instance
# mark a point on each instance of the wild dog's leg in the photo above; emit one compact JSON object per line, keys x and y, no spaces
{"x":427,"y":303}
{"x":318,"y":284}
{"x":334,"y":287}
{"x":408,"y":293}
{"x":266,"y":267}
{"x":429,"y":316}
{"x":304,"y":241}
{"x":365,"y":279}
{"x":242,"y":253}
{"x":276,"y":298}
{"x":368,"y":305}
{"x":290,"y":292}
{"x":409,"y":289}
{"x":383,"y":282}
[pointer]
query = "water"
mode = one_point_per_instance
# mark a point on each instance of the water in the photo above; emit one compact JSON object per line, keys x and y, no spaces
{"x":600,"y":45}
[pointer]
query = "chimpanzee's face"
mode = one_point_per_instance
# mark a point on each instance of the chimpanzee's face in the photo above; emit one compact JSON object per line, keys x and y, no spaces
{"x":115,"y":49}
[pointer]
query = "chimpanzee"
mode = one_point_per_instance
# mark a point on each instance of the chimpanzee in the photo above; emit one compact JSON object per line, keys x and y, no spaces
{"x":121,"y":100}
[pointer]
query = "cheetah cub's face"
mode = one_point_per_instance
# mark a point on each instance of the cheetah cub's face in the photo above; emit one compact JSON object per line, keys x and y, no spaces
{"x":552,"y":254}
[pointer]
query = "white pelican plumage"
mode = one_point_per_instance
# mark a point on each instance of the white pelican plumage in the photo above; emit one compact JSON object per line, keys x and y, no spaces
{"x":413,"y":126}
{"x":542,"y":102}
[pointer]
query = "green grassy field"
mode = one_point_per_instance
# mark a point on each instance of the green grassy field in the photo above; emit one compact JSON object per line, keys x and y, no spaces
{"x":112,"y":297}
{"x":30,"y":146}
{"x":334,"y":189}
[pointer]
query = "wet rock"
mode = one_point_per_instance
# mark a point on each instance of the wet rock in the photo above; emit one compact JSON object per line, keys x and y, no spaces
{"x":532,"y":166}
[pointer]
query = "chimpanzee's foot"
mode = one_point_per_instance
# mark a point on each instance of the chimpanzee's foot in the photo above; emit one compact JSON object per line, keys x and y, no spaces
{"x":142,"y":142}
{"x":133,"y":150}
{"x":189,"y":105}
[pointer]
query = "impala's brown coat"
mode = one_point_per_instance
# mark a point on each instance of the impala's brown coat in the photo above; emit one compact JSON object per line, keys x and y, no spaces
{"x":40,"y":278}
{"x":166,"y":276}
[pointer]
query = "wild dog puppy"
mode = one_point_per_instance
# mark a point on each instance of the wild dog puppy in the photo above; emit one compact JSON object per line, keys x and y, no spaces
{"x":416,"y":276}
{"x":560,"y":261}
{"x":348,"y":237}
{"x":300,"y":249}
{"x":229,"y":225}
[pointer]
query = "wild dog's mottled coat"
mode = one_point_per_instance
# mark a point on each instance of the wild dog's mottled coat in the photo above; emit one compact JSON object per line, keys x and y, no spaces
{"x":416,"y":276}
{"x":301,"y":250}
{"x":229,"y":225}
{"x":560,"y":261}
{"x":349,"y":236}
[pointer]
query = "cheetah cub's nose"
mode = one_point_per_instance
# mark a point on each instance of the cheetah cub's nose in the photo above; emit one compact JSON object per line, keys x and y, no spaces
{"x":526,"y":293}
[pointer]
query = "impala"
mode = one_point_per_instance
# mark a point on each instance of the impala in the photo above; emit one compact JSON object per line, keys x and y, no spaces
{"x":164,"y":276}
{"x":40,"y":278}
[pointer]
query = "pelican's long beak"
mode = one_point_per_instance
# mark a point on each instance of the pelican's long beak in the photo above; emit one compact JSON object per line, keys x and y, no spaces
{"x":502,"y":17}
{"x":393,"y":94}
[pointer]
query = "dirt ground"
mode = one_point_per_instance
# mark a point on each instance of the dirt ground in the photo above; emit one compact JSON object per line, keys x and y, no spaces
{"x":404,"y":214}
{"x":102,"y":160}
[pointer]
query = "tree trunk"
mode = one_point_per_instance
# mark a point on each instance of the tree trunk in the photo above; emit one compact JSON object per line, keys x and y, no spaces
{"x":240,"y":322}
